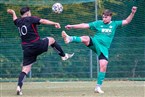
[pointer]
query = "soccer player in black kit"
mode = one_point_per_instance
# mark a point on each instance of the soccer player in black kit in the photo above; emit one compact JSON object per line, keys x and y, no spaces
{"x":32,"y":44}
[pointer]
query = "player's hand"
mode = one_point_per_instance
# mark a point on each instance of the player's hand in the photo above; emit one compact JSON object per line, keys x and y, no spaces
{"x":134,"y":9}
{"x":10,"y":11}
{"x":68,"y":27}
{"x":57,"y":25}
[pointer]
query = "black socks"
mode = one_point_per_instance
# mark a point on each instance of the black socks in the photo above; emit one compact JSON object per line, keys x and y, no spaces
{"x":58,"y":49}
{"x":21,"y":79}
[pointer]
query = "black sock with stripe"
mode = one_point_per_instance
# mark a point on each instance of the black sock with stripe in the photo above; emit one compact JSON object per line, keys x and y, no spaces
{"x":21,"y":79}
{"x":58,"y":49}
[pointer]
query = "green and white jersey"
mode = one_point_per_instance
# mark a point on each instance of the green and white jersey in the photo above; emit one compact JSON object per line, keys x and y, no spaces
{"x":104,"y":35}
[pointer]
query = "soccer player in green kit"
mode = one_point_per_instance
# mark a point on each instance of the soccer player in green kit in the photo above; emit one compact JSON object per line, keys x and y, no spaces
{"x":101,"y":41}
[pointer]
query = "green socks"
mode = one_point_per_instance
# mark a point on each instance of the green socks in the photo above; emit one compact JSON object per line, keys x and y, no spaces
{"x":75,"y":39}
{"x":101,"y":77}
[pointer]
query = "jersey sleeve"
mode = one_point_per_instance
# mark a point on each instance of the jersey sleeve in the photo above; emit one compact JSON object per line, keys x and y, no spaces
{"x":16,"y":22}
{"x":118,"y":23}
{"x":35,"y":20}
{"x":93,"y":25}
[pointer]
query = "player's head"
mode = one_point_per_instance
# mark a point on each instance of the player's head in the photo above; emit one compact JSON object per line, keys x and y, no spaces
{"x":25,"y":11}
{"x":107,"y":15}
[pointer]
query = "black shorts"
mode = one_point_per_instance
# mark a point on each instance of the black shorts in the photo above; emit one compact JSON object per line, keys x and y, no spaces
{"x":101,"y":56}
{"x":31,"y":51}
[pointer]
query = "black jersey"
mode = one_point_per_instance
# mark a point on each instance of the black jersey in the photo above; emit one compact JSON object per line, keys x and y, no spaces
{"x":27,"y":29}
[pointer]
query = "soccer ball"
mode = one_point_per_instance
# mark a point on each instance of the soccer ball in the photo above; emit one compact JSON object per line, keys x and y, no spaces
{"x":57,"y":8}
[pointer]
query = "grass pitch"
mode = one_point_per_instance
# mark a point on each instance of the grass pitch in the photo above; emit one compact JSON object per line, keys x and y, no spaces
{"x":75,"y":89}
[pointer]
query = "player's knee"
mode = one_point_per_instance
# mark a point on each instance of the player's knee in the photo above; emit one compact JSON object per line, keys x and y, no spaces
{"x":103,"y":68}
{"x":85,"y":39}
{"x":26,"y":69}
{"x":51,"y":40}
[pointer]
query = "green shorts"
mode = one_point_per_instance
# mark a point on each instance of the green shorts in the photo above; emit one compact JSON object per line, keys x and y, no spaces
{"x":98,"y":48}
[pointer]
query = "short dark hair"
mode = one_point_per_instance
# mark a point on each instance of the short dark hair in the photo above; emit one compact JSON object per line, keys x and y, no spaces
{"x":24,"y":10}
{"x":107,"y":12}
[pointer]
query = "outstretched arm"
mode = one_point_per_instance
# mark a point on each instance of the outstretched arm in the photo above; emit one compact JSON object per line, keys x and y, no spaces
{"x":48,"y":22}
{"x":12,"y":12}
{"x":129,"y":18}
{"x":78,"y":26}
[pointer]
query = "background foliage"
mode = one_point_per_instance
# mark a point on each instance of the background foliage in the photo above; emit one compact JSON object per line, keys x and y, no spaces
{"x":127,"y":58}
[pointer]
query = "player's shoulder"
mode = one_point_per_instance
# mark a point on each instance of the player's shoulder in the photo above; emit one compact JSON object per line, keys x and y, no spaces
{"x":98,"y":21}
{"x":16,"y":21}
{"x":35,"y":17}
{"x":20,"y":19}
{"x":115,"y":21}
{"x":30,"y":17}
